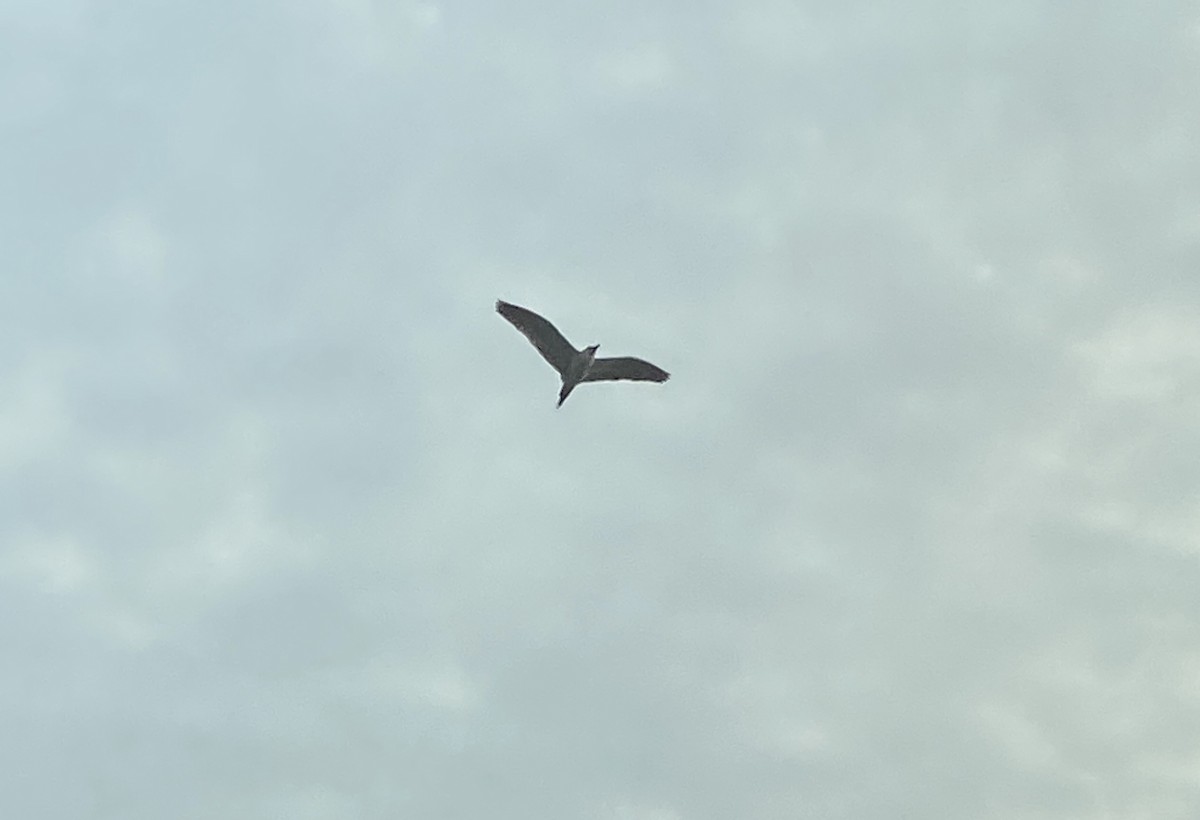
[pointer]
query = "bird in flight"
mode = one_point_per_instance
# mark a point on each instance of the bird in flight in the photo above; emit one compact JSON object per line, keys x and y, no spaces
{"x":575,"y":366}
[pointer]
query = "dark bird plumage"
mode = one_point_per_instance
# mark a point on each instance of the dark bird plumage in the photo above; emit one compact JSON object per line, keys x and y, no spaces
{"x":576,"y":366}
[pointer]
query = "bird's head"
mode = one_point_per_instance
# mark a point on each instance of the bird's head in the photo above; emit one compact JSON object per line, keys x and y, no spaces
{"x":591,"y":351}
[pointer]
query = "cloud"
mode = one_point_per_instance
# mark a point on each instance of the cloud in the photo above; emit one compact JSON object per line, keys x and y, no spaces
{"x":637,"y":70}
{"x":379,"y":35}
{"x":291,"y":525}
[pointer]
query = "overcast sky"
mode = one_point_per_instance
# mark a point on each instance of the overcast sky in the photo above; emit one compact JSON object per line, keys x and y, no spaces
{"x":291,"y":528}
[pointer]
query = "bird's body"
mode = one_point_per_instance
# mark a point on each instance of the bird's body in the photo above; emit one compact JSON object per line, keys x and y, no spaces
{"x":576,"y":371}
{"x":576,"y":366}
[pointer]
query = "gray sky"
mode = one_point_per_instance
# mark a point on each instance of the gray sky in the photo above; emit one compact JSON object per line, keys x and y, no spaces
{"x":290,"y":527}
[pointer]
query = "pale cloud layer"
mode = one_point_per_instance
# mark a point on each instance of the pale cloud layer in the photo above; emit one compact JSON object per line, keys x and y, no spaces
{"x":290,"y":527}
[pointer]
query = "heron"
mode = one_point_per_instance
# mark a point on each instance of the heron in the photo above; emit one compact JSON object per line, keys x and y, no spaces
{"x":576,"y":366}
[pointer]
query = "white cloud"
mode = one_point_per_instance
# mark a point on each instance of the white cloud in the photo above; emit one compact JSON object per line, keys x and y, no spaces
{"x":1149,"y":354}
{"x":781,"y":32}
{"x":57,"y":564}
{"x":138,"y":249}
{"x":290,"y":525}
{"x":34,"y":417}
{"x":627,"y":811}
{"x":381,"y":35}
{"x":443,"y":686}
{"x":1029,"y":745}
{"x":637,"y":71}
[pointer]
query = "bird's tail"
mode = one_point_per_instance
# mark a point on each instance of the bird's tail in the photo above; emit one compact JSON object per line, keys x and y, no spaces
{"x":562,"y":394}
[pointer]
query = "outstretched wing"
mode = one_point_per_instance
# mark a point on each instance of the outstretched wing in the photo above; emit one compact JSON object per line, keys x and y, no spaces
{"x":545,"y":337}
{"x":625,"y":367}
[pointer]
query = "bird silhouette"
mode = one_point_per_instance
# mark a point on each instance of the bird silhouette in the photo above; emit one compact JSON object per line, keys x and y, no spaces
{"x":576,"y":366}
